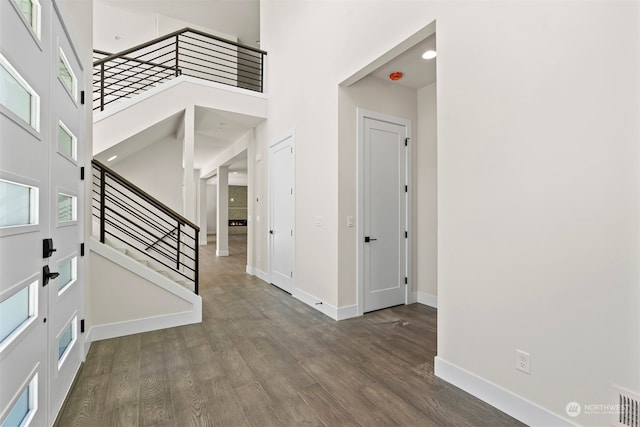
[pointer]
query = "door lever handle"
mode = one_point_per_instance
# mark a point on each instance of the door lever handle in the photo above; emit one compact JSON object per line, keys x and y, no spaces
{"x":368,"y":239}
{"x":48,"y":275}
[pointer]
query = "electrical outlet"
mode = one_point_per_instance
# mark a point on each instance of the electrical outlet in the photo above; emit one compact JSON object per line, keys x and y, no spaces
{"x":523,"y":361}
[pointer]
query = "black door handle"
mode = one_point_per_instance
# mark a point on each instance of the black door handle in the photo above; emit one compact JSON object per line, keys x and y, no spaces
{"x":368,"y":239}
{"x":47,"y":248}
{"x":48,"y":275}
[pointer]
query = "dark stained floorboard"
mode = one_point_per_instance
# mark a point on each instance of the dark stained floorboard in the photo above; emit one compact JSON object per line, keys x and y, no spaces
{"x":262,"y":358}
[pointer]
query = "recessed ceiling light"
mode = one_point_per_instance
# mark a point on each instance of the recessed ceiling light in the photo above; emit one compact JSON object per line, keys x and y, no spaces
{"x":112,"y":158}
{"x":430,"y":54}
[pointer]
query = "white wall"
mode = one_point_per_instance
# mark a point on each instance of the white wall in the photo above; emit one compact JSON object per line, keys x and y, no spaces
{"x":116,"y":29}
{"x":537,"y":178}
{"x":425,"y":194}
{"x":157,"y":169}
{"x":212,"y":223}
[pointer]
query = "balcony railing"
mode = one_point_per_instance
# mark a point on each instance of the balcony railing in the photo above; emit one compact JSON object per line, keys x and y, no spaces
{"x":186,"y":52}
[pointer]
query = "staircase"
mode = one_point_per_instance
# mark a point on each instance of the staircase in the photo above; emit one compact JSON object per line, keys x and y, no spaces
{"x":144,"y":255}
{"x":135,"y":224}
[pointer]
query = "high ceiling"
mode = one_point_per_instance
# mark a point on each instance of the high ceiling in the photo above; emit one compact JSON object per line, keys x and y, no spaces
{"x":240,"y":18}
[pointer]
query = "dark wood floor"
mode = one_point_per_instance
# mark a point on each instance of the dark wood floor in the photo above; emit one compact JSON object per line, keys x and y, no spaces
{"x":262,"y":358}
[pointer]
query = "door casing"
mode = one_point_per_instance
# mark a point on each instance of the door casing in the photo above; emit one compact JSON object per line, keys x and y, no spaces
{"x":363,"y":114}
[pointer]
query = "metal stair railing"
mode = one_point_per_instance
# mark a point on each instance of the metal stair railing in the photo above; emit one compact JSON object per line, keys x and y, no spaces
{"x":131,"y":217}
{"x":186,"y":52}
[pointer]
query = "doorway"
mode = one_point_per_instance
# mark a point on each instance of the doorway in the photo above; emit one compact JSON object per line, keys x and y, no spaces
{"x":383,"y":206}
{"x":282,"y":212}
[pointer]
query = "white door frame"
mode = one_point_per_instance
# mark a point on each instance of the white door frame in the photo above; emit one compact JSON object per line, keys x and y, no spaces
{"x":362,"y":114}
{"x":291,"y":134}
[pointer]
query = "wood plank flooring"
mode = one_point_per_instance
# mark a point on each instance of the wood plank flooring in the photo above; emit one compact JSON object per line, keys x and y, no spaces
{"x":262,"y":358}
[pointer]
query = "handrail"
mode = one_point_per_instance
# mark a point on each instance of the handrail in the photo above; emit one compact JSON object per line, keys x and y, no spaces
{"x":144,"y":225}
{"x":149,"y":198}
{"x":185,"y":52}
{"x":173,"y":34}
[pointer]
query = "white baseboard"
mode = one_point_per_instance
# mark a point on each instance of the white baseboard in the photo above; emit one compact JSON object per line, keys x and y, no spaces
{"x":336,"y":313}
{"x":120,"y":329}
{"x":426,"y":299}
{"x":222,"y":253}
{"x":258,"y":273}
{"x":508,"y":402}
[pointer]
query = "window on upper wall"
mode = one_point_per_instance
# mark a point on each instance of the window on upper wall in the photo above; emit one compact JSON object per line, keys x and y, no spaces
{"x":24,"y":407}
{"x":18,"y":204}
{"x":17,"y":95}
{"x":67,"y":142}
{"x":66,"y":75}
{"x":31,"y":11}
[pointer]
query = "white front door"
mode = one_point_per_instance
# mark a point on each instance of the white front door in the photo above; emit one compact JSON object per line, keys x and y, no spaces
{"x":66,"y":222}
{"x":282,"y":213}
{"x":37,"y":165}
{"x":384,"y":211}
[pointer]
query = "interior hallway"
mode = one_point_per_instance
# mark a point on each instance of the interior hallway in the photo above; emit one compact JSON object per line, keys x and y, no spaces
{"x":262,"y":358}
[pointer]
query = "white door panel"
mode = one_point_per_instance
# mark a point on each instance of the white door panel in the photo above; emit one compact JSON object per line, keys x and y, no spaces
{"x":29,"y":374}
{"x":384,"y":214}
{"x":282,"y":213}
{"x":66,"y":226}
{"x":24,"y":159}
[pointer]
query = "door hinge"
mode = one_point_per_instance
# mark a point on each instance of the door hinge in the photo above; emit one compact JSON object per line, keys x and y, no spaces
{"x":82,"y":173}
{"x":81,"y":249}
{"x":82,"y":97}
{"x":292,"y":274}
{"x":406,"y":188}
{"x":406,"y":281}
{"x":406,"y":142}
{"x":406,"y":234}
{"x":82,"y":326}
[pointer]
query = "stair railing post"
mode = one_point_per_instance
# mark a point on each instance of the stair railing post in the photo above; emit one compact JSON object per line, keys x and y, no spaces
{"x":261,"y":73}
{"x":177,"y":57}
{"x":102,"y":202}
{"x":102,"y":87}
{"x":178,"y":249}
{"x":195,"y":280}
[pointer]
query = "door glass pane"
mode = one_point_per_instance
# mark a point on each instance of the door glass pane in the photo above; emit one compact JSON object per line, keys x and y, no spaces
{"x":66,"y":75}
{"x":66,"y":208}
{"x":19,"y":411}
{"x":65,"y":340}
{"x":26,"y":6}
{"x":13,"y":95}
{"x":66,"y":142}
{"x":14,"y":311}
{"x":16,"y":204}
{"x":67,"y":273}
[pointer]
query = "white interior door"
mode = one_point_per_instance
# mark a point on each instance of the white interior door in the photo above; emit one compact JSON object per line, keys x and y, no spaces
{"x":282,"y":213}
{"x":384,"y":213}
{"x":67,"y":203}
